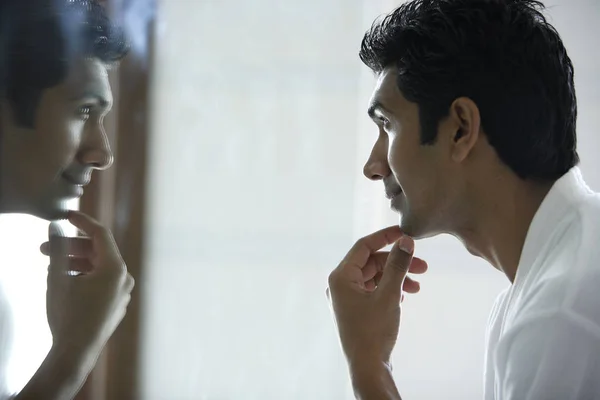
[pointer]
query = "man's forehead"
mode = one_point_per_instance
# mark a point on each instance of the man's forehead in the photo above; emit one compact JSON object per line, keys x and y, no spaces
{"x":386,"y":79}
{"x":88,"y":75}
{"x":386,"y":89}
{"x":86,"y":70}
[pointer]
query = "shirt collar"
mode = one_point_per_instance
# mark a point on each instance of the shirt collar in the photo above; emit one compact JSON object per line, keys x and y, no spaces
{"x":564,"y":195}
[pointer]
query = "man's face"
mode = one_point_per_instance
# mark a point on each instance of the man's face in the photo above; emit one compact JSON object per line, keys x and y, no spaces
{"x":416,"y":177}
{"x":46,"y":166}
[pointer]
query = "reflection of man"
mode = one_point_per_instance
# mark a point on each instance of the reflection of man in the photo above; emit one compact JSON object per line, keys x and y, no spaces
{"x":476,"y":111}
{"x":54,"y":57}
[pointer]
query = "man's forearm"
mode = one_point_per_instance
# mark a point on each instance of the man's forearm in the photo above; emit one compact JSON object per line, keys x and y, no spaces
{"x":374,"y":383}
{"x":60,"y":377}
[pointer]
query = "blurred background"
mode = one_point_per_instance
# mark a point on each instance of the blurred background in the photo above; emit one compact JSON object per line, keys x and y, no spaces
{"x":240,"y":132}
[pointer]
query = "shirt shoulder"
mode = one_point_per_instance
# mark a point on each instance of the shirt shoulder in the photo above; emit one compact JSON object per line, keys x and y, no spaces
{"x":554,"y":355}
{"x":550,"y":344}
{"x":566,"y":274}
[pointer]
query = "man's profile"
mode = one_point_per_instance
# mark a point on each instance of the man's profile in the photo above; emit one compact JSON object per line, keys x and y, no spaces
{"x":54,"y":95}
{"x":476,"y":111}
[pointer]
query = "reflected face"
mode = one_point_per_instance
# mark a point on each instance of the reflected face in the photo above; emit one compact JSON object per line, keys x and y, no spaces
{"x":49,"y":164}
{"x":414,"y":175}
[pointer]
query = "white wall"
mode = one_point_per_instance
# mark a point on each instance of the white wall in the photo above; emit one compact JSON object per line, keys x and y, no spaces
{"x":259,"y":135}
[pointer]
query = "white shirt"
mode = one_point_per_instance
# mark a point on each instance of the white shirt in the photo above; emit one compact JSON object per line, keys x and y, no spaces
{"x":5,"y":341}
{"x":543,"y":339}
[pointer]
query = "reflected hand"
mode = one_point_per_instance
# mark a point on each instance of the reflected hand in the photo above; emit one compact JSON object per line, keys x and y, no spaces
{"x":84,"y":309}
{"x":366,"y":290}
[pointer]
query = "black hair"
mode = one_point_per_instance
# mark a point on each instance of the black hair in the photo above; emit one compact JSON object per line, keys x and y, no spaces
{"x":39,"y":39}
{"x":503,"y":55}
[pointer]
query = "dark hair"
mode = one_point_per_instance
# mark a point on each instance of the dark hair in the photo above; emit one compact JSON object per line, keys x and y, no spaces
{"x":503,"y":55}
{"x":39,"y":39}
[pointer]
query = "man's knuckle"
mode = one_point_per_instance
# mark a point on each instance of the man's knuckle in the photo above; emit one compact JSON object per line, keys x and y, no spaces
{"x":130,"y":282}
{"x":117,"y":272}
{"x":331,"y":279}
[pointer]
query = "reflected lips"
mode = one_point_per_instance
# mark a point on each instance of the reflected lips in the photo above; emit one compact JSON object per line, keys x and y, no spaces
{"x":76,"y":184}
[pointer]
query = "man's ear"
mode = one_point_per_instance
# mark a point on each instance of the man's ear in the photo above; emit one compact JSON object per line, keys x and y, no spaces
{"x":466,"y":123}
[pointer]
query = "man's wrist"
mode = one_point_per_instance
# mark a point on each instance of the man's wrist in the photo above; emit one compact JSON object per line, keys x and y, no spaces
{"x":373,"y":380}
{"x":365,"y":371}
{"x":75,"y":361}
{"x":61,"y":374}
{"x":70,"y":364}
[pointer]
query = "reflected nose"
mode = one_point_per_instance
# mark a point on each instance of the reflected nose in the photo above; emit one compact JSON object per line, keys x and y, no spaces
{"x":376,"y":168}
{"x":96,"y":151}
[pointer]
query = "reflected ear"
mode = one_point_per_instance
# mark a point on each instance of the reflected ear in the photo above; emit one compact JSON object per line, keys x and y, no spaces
{"x":467,"y":124}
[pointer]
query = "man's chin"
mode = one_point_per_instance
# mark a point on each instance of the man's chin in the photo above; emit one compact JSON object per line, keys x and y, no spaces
{"x":416,"y":229}
{"x":48,"y":215}
{"x":56,"y":215}
{"x":54,"y":211}
{"x":411,"y":227}
{"x":47,"y":207}
{"x":406,"y":228}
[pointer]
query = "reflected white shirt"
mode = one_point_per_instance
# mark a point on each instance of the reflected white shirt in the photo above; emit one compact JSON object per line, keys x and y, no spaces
{"x":6,"y":332}
{"x":543,"y":338}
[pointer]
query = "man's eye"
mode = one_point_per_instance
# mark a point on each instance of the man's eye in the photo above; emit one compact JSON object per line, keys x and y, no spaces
{"x":84,"y":112}
{"x":385,"y":123}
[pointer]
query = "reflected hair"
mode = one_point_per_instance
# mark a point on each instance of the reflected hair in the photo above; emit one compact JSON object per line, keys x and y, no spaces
{"x":40,"y":39}
{"x":503,"y":55}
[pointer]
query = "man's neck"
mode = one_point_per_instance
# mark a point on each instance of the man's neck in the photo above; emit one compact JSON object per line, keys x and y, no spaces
{"x":500,"y":220}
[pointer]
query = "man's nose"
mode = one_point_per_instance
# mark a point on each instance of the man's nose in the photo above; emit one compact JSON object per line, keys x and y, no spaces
{"x":96,"y":151}
{"x":376,"y":168}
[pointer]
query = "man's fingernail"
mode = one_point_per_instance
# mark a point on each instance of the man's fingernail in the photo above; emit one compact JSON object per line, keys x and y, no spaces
{"x":406,"y":244}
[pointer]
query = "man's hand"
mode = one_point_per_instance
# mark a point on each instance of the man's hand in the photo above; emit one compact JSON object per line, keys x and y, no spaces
{"x":88,"y":285}
{"x":366,"y":290}
{"x":87,"y":296}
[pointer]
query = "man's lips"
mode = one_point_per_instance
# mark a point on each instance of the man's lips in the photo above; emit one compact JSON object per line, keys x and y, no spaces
{"x":83,"y":181}
{"x":392,"y":195}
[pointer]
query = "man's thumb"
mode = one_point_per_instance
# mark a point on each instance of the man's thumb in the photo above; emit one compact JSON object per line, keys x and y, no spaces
{"x":54,"y":230}
{"x":57,"y":248}
{"x":397,"y":266}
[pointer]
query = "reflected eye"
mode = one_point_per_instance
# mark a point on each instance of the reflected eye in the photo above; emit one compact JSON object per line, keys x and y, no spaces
{"x":84,"y":112}
{"x":385,"y":123}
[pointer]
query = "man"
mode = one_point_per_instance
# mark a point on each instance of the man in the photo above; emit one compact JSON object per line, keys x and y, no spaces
{"x":476,"y":110}
{"x":54,"y":57}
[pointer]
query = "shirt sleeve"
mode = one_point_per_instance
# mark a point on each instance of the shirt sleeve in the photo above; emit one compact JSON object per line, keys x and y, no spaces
{"x":550,"y":356}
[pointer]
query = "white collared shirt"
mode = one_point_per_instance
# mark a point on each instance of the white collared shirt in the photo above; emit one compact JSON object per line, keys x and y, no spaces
{"x":543,"y":338}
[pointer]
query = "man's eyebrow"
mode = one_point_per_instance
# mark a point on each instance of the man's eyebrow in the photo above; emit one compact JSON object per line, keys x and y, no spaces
{"x":376,"y":105}
{"x":92,"y":95}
